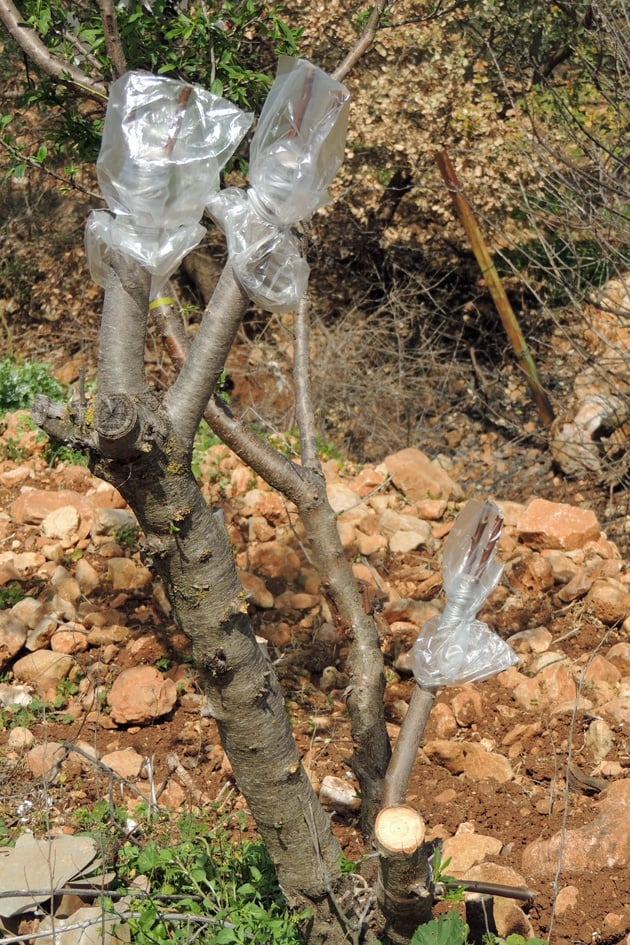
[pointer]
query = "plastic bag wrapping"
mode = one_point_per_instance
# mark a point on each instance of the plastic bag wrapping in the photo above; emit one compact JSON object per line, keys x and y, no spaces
{"x":296,"y":150}
{"x":164,"y":144}
{"x":159,"y":250}
{"x":266,"y":258}
{"x":453,"y":647}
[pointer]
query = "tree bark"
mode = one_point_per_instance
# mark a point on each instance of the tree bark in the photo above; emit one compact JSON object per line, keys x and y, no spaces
{"x":134,"y":443}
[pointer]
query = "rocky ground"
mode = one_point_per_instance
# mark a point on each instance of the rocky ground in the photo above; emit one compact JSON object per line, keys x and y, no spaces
{"x":524,"y":777}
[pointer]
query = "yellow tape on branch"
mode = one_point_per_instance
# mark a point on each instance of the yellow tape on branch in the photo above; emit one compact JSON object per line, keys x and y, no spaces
{"x":165,"y":300}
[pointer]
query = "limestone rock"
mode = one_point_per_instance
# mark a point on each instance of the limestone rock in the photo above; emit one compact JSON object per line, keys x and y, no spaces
{"x":126,"y":762}
{"x":604,"y":843}
{"x":255,"y":589}
{"x":20,"y":738}
{"x":552,"y":686}
{"x":609,"y":601}
{"x":470,"y":759}
{"x":141,"y":695}
{"x":43,"y":761}
{"x":509,"y":917}
{"x":44,"y":670}
{"x":12,"y":637}
{"x":338,"y":794}
{"x":619,"y":655}
{"x":33,"y":505}
{"x":467,"y":848}
{"x":126,"y":574}
{"x":275,"y":559}
{"x":60,"y":523}
{"x":545,"y":524}
{"x":419,"y":477}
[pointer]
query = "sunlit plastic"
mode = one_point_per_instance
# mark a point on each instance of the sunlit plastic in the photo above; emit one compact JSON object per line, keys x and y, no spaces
{"x":164,"y":144}
{"x":296,"y":150}
{"x":454,"y":647}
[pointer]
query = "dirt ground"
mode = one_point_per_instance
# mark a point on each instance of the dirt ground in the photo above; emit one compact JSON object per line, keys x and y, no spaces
{"x":537,"y":803}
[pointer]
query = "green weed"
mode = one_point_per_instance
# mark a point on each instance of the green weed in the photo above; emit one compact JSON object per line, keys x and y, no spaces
{"x":56,"y":452}
{"x":21,"y":380}
{"x":10,"y":595}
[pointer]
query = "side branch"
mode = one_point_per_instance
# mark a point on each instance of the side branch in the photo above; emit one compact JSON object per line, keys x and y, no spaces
{"x":28,"y":40}
{"x":364,"y":42}
{"x":113,"y":44}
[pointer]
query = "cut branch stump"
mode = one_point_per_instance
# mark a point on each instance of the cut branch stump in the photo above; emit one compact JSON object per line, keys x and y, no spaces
{"x":404,"y":897}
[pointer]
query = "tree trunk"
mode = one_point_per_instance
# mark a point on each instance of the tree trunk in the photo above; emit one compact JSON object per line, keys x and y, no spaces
{"x":143,"y":447}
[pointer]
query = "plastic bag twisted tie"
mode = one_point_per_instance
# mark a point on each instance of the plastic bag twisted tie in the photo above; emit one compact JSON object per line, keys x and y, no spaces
{"x":454,"y":647}
{"x":296,"y":150}
{"x":164,"y":144}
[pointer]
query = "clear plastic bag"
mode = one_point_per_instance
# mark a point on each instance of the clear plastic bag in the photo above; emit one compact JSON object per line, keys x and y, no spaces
{"x":296,"y":150}
{"x":454,"y":647}
{"x":164,"y":144}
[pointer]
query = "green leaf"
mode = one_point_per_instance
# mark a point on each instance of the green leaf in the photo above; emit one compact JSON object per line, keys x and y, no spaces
{"x":449,"y":929}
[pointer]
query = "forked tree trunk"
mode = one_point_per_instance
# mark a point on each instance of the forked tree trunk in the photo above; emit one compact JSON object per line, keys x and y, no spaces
{"x":143,"y":447}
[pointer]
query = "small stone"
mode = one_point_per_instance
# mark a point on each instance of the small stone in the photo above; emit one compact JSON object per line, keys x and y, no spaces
{"x":419,"y":477}
{"x":107,"y":635}
{"x":551,"y":686}
{"x":466,"y":849}
{"x":274,"y":559}
{"x":61,"y":522}
{"x":107,"y":521}
{"x":567,"y":898}
{"x":40,"y":637}
{"x":140,"y":695}
{"x":546,"y":524}
{"x":13,"y":635}
{"x":28,"y":611}
{"x":87,"y":576}
{"x":431,"y":510}
{"x":338,"y":794}
{"x":20,"y":738}
{"x":66,"y":586}
{"x":69,"y":641}
{"x":619,"y":656}
{"x":599,"y":669}
{"x":44,"y":669}
{"x":255,"y":589}
{"x":609,"y":601}
{"x":126,"y":762}
{"x":467,"y":706}
{"x":444,"y":720}
{"x":599,"y":740}
{"x":126,"y":574}
{"x":43,"y":761}
{"x":536,"y":640}
{"x":403,"y":542}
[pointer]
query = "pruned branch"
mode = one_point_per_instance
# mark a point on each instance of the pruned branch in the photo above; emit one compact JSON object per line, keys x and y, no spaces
{"x":28,"y":40}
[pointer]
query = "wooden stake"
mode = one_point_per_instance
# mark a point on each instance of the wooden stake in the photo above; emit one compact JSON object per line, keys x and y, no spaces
{"x":493,"y":281}
{"x":403,"y":895}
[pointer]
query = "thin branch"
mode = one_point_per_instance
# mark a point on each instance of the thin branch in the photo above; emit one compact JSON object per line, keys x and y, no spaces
{"x":364,"y":42}
{"x":406,"y":747}
{"x":113,"y":43}
{"x":28,"y":40}
{"x":303,"y":395}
